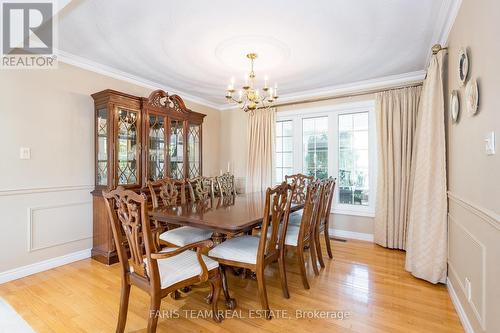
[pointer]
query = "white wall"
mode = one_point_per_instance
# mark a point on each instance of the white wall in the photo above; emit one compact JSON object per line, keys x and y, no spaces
{"x":45,"y":201}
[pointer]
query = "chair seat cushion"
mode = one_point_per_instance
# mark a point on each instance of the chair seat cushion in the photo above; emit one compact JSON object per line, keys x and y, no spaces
{"x":185,"y":235}
{"x":295,"y":218}
{"x":241,"y":249}
{"x":180,"y":267}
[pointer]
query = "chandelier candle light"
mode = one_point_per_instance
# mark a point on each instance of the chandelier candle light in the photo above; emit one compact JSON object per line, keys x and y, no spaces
{"x":249,"y":98}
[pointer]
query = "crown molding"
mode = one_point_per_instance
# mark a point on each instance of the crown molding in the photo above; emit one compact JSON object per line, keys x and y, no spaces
{"x":96,"y":67}
{"x":445,"y":20}
{"x":385,"y":82}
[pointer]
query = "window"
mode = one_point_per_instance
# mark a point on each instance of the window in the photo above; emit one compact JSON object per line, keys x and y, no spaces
{"x":315,"y":143}
{"x":284,"y":150}
{"x":353,"y":176}
{"x":337,"y":141}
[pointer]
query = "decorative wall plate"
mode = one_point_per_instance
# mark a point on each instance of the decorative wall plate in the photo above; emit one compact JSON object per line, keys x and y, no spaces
{"x":463,"y":66}
{"x":472,"y":97}
{"x":454,"y":106}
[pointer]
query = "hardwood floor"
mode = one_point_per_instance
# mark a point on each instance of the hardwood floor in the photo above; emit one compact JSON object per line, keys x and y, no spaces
{"x":363,"y":279}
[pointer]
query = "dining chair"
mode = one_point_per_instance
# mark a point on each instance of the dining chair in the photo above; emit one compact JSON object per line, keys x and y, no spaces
{"x":256,"y":252}
{"x":301,"y":237}
{"x":158,"y":273}
{"x":323,"y":223}
{"x":300,"y":181}
{"x":168,"y":192}
{"x":201,"y":188}
{"x":163,"y":192}
{"x":225,"y":184}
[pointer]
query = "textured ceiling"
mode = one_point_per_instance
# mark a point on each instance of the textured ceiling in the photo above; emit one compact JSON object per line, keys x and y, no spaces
{"x":195,"y":47}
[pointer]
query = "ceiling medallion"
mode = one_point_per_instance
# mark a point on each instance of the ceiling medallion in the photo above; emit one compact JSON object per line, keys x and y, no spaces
{"x":249,"y":96}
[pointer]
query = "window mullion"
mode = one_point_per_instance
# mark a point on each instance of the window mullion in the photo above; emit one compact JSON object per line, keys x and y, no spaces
{"x":297,"y":141}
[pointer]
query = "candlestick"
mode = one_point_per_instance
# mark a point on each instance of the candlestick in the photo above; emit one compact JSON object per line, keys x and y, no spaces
{"x":265,"y":81}
{"x":270,"y":95}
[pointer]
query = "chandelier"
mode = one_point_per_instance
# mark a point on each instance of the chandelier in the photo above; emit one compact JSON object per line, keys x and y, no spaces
{"x":249,"y":96}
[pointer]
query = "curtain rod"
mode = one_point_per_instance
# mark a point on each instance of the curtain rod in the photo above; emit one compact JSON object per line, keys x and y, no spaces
{"x":347,"y":95}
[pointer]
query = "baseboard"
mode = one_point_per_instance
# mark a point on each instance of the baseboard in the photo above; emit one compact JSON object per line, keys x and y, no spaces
{"x":41,"y":266}
{"x":458,"y":307}
{"x":351,"y":235}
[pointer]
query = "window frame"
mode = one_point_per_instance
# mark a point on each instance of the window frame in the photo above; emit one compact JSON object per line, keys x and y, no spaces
{"x":333,"y":112}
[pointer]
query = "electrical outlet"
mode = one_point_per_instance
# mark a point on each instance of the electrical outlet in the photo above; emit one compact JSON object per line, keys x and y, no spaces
{"x":24,"y":153}
{"x":468,"y":289}
{"x":489,"y":143}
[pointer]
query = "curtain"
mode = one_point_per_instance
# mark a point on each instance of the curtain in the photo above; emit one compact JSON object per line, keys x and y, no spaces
{"x":396,"y":113}
{"x":261,"y":125}
{"x":427,"y":227}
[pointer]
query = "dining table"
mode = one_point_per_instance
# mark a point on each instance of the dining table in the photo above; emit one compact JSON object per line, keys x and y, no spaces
{"x":226,"y":216}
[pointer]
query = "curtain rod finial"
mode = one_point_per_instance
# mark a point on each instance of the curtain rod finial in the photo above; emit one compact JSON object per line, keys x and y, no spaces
{"x":437,"y":47}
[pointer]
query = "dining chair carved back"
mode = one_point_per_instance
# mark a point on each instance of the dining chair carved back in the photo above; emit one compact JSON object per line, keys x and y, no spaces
{"x":301,"y":237}
{"x":256,"y":252}
{"x":165,"y":192}
{"x":201,"y":188}
{"x":323,"y":222}
{"x":158,"y":273}
{"x":301,"y":181}
{"x":168,"y":192}
{"x":225,"y":185}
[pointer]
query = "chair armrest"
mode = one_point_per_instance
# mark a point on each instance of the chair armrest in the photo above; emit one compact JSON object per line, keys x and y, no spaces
{"x":199,"y":246}
{"x":206,"y":244}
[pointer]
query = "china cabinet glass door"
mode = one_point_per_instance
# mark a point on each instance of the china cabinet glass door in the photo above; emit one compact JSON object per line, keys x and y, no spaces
{"x":156,"y":144}
{"x":102,"y":147}
{"x":127,"y":149}
{"x":176,"y":149}
{"x":194,"y":157}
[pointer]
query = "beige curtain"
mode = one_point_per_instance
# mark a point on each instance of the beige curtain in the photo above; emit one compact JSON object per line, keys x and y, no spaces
{"x":396,"y":112}
{"x":427,"y":227}
{"x":261,"y":127}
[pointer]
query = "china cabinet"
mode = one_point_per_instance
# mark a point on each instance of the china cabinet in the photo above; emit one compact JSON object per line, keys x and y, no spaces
{"x":138,"y":139}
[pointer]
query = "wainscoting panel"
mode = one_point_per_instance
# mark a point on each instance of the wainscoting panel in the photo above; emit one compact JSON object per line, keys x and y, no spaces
{"x":467,"y":260}
{"x":54,"y":225}
{"x":41,"y":225}
{"x":473,"y":252}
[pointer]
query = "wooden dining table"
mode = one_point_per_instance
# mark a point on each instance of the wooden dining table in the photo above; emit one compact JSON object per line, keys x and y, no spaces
{"x":225,"y":216}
